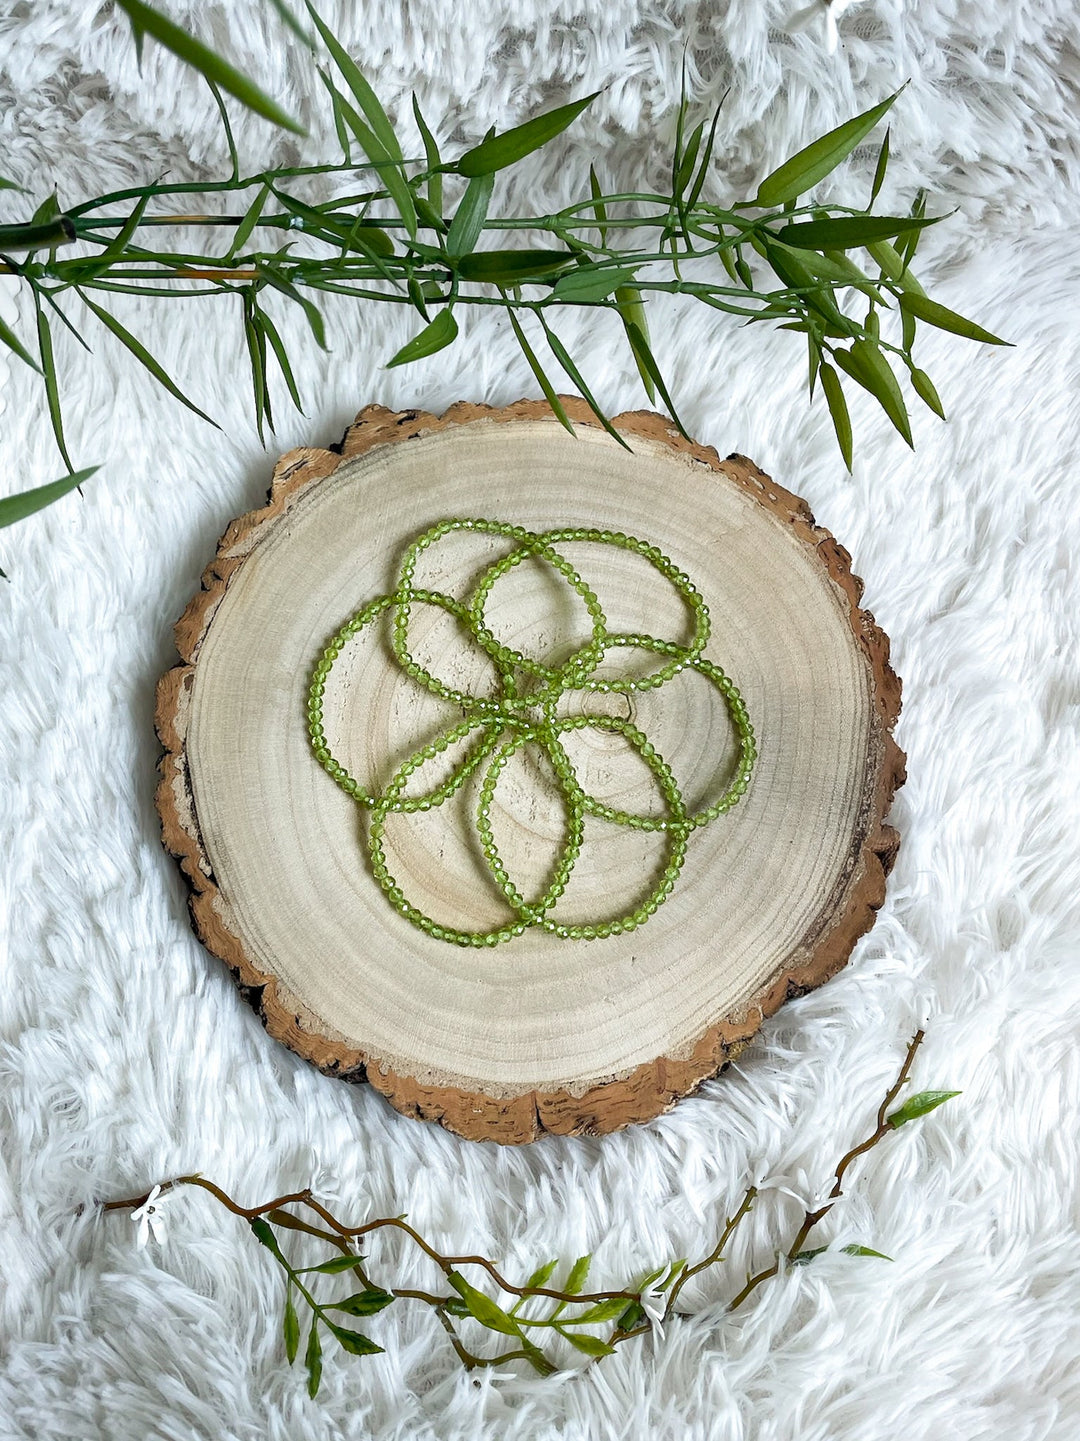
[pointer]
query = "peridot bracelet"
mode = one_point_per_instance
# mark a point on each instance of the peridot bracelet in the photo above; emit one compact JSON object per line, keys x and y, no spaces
{"x":508,"y":721}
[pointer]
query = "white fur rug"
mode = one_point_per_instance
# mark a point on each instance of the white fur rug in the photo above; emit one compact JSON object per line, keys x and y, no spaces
{"x":125,"y":1052}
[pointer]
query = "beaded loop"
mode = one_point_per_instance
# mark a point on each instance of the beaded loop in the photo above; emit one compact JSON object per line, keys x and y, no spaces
{"x":500,"y":715}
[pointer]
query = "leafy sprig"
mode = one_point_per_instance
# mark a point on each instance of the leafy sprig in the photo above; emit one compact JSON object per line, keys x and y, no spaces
{"x":826,"y":272}
{"x":594,"y":1323}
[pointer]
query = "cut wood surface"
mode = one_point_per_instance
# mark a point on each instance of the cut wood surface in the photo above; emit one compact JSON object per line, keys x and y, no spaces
{"x":538,"y":1034}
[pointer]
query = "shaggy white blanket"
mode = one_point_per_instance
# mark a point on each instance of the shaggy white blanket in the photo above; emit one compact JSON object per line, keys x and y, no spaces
{"x":126,"y":1053}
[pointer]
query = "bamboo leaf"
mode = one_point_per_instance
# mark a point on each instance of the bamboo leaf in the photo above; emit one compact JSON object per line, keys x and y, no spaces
{"x":496,"y":152}
{"x":926,"y":391}
{"x":147,"y":21}
{"x":562,"y":355}
{"x":48,"y":210}
{"x":632,"y":312}
{"x":12,"y":341}
{"x":865,"y":363}
{"x":599,"y":208}
{"x":923,"y":308}
{"x":703,"y":168}
{"x":643,"y":352}
{"x":313,"y":1359}
{"x":436,"y":335}
{"x":545,"y":385}
{"x":388,"y":165}
{"x":834,"y":397}
{"x":365,"y":96}
{"x":247,"y":225}
{"x":6,"y":184}
{"x":230,"y":140}
{"x":143,"y":356}
{"x":434,"y":161}
{"x":591,"y":283}
{"x":469,"y":217}
{"x":17,"y":507}
{"x":818,"y":159}
{"x":513,"y":267}
{"x":269,"y":329}
{"x":260,"y":394}
{"x":689,"y":159}
{"x":482,"y":1307}
{"x":880,"y":168}
{"x":293,"y":23}
{"x":920,"y":1105}
{"x":310,"y":309}
{"x":52,"y":391}
{"x":290,"y":1326}
{"x":363,"y":1303}
{"x":848,"y":231}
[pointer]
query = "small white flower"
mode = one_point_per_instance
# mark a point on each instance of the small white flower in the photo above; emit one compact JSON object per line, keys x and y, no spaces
{"x":148,"y":1218}
{"x":654,"y":1304}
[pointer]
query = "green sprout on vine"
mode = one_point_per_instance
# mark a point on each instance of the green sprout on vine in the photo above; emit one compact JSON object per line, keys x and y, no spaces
{"x":394,"y":236}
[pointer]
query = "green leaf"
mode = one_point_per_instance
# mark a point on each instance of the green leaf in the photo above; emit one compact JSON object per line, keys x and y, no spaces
{"x":335,"y":1265}
{"x":26,"y":502}
{"x":363,"y":1303}
{"x":469,"y":218}
{"x":366,"y":98}
{"x":542,"y":1274}
{"x":632,"y":313}
{"x":434,"y":161}
{"x":599,"y":208}
{"x":644,"y":355}
{"x":498,"y":151}
{"x":355,"y":1342}
{"x":313,"y":1359}
{"x":609,"y":1310}
{"x":579,"y":1273}
{"x":6,"y":184}
{"x":513,"y":267}
{"x":834,"y":397}
{"x":43,"y":235}
{"x":310,"y":309}
{"x":703,"y":169}
{"x":817,"y":160}
{"x":562,"y":355}
{"x":147,"y":21}
{"x":804,"y":1257}
{"x":230,"y":141}
{"x":436,"y":335}
{"x":591,"y":283}
{"x":537,"y":369}
{"x":482,"y":1307}
{"x":293,"y":23}
{"x":291,"y":1326}
{"x":923,"y":308}
{"x":926,"y":391}
{"x":880,"y":168}
{"x":591,"y":1345}
{"x":388,"y":165}
{"x":920,"y":1105}
{"x":631,"y":1317}
{"x":265,"y":1235}
{"x":848,"y":231}
{"x":358,"y":235}
{"x":539,"y":1361}
{"x":48,"y":210}
{"x":247,"y":225}
{"x":688,"y":161}
{"x":269,"y":330}
{"x":256,"y":346}
{"x":48,"y":370}
{"x":10,"y":339}
{"x":865,"y":363}
{"x":143,"y":356}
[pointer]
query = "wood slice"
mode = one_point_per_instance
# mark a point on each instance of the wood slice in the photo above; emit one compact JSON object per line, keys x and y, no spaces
{"x":539,"y":1034}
